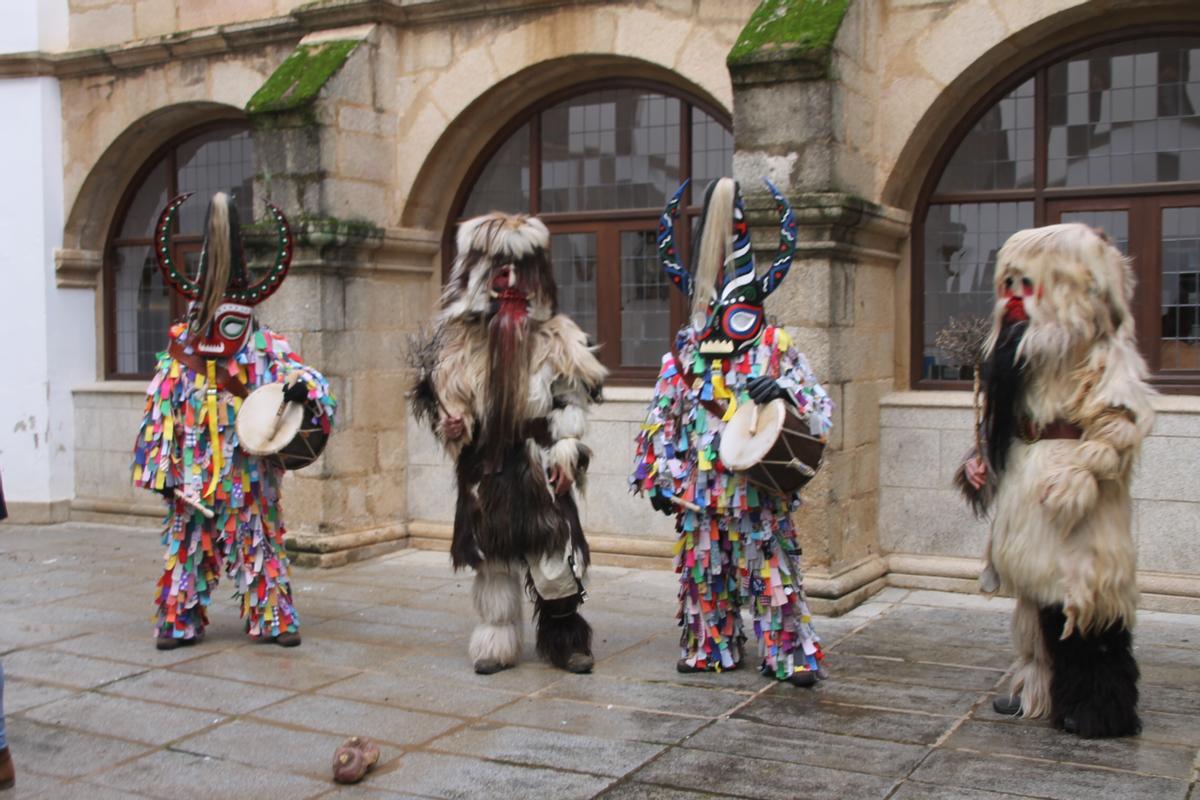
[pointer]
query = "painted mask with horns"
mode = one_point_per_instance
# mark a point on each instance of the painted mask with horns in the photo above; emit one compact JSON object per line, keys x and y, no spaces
{"x":221,"y":297}
{"x":725,"y":289}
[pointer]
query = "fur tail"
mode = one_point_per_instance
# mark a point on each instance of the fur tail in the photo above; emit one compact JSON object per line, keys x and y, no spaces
{"x":1094,"y":683}
{"x":561,"y":631}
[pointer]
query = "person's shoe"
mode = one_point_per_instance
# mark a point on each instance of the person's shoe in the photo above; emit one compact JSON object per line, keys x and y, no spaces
{"x":288,"y":639}
{"x":8,"y":774}
{"x":489,"y":666}
{"x":805,"y":679}
{"x":1070,"y":725}
{"x":1008,"y":704}
{"x":580,"y":663}
{"x":171,"y":643}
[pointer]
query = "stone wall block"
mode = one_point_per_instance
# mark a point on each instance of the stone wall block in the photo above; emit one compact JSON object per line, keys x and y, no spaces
{"x":612,"y":449}
{"x":427,"y":49}
{"x":379,"y":399}
{"x":351,"y":452}
{"x":154,"y":18}
{"x":955,"y":445}
{"x":950,"y":47}
{"x":1168,"y":532}
{"x":910,"y":458}
{"x":354,"y":200}
{"x":860,"y":405}
{"x":431,"y":492}
{"x":363,"y":157}
{"x":930,"y":418}
{"x":392,"y":447}
{"x":101,"y":26}
{"x":222,"y":12}
{"x":635,"y":26}
{"x":361,"y":119}
{"x":1169,"y":423}
{"x":806,"y":295}
{"x":423,"y":449}
{"x":778,"y":116}
{"x":929,"y":521}
{"x":865,"y":471}
{"x":1167,"y":471}
{"x":386,"y":497}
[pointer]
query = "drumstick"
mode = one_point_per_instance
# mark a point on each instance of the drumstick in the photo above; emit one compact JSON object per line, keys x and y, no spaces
{"x":690,"y":506}
{"x":754,"y":420}
{"x":194,"y":503}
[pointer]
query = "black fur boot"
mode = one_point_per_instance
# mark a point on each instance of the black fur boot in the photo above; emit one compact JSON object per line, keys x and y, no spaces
{"x":1093,"y":688}
{"x":563,"y":637}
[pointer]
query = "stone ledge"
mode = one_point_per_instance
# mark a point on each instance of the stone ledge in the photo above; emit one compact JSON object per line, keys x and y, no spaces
{"x":110,"y":512}
{"x":1162,"y":404}
{"x":112,"y":387}
{"x":34,"y":513}
{"x":1161,"y":591}
{"x":77,"y":269}
{"x":315,"y":550}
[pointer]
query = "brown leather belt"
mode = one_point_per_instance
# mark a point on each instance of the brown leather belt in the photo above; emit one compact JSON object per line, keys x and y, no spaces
{"x":196,"y":364}
{"x":1058,"y":429}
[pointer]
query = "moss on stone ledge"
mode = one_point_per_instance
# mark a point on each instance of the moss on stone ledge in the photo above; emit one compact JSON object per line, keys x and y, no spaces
{"x":789,"y":28}
{"x":297,"y":80}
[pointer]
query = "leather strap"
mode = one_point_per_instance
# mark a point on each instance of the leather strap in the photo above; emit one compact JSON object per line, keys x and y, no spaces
{"x":195,"y":363}
{"x":1058,"y":429}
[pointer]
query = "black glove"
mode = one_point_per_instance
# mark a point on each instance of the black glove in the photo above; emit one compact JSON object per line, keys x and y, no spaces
{"x":296,"y":393}
{"x":660,"y":502}
{"x":764,"y":389}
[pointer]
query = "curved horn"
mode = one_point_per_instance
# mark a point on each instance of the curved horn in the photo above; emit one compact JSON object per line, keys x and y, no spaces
{"x":174,"y":277}
{"x":787,"y":243}
{"x":741,"y":255}
{"x":255,"y":294}
{"x":668,"y":253}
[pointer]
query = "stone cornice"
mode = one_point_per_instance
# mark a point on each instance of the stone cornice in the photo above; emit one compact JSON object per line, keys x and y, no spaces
{"x":837,"y":225}
{"x":241,"y":36}
{"x":77,"y":269}
{"x":390,"y":250}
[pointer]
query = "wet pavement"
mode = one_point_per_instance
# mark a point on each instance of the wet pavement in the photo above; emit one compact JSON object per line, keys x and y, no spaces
{"x":95,"y":712}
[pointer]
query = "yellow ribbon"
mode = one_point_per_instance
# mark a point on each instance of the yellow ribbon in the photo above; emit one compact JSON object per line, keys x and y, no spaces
{"x":214,"y":432}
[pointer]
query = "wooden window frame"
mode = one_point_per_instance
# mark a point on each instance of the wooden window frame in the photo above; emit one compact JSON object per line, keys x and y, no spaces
{"x":606,"y":224}
{"x":181,"y":245}
{"x":1144,"y":202}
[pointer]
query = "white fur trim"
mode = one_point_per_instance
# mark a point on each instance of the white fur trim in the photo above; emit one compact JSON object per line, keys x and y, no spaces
{"x":499,"y":642}
{"x":565,"y":455}
{"x":519,"y":237}
{"x":496,"y":593}
{"x":568,"y":422}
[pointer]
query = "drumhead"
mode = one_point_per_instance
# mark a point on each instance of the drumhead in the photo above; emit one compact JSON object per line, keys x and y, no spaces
{"x":740,"y":449}
{"x":261,"y":431}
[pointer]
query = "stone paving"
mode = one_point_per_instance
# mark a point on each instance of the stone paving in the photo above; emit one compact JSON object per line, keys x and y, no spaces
{"x":95,"y":712}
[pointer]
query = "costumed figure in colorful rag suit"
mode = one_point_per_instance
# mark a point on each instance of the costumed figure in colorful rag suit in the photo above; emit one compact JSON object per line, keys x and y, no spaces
{"x":505,"y":380}
{"x":736,"y":540}
{"x":223,"y":503}
{"x":1066,"y":409}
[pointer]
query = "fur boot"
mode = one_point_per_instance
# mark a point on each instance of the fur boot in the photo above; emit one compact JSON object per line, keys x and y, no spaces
{"x":564,"y":638}
{"x":496,"y":641}
{"x":1093,"y":688}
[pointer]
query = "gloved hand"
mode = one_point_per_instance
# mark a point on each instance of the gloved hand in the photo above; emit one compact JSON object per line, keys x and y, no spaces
{"x":660,"y":502}
{"x":764,"y":389}
{"x":296,"y":392}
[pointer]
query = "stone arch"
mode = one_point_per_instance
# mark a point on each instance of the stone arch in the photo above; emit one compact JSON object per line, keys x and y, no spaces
{"x":91,"y":215}
{"x":1003,"y":64}
{"x":467,"y":138}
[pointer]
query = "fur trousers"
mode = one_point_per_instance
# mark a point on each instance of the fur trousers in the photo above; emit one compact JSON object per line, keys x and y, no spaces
{"x":496,"y":593}
{"x":1086,"y":683}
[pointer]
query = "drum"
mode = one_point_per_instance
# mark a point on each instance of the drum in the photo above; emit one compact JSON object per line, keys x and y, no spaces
{"x":772,"y":445}
{"x":289,"y":433}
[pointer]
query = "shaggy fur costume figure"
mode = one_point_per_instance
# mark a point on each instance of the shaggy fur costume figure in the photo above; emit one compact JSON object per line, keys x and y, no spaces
{"x":1067,"y":409}
{"x":504,"y":381}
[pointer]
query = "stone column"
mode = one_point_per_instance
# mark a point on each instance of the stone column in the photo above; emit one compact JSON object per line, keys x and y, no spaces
{"x":324,"y":130}
{"x":839,"y":299}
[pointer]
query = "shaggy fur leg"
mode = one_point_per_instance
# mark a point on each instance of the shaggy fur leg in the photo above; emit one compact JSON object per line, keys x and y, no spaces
{"x":496,"y":642}
{"x":1094,"y":690}
{"x":564,"y":638}
{"x":1031,"y":680}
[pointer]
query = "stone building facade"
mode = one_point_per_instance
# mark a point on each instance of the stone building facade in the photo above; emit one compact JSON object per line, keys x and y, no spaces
{"x":372,"y":122}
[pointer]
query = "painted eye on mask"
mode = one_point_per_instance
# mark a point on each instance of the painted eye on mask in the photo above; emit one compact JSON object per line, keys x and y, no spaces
{"x":233,"y":327}
{"x":742,"y":321}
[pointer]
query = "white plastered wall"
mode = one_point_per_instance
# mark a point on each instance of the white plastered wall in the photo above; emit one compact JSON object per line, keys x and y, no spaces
{"x":48,"y":333}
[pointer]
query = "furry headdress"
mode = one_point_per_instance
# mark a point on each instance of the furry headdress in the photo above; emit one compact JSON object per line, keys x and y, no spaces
{"x":492,"y":241}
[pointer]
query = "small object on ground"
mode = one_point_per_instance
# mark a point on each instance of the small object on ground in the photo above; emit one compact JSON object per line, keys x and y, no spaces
{"x":288,"y":639}
{"x":580,"y":663}
{"x":356,"y":756}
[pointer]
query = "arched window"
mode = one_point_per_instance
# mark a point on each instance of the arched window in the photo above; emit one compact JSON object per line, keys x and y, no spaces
{"x":140,"y":308}
{"x":597,"y":165}
{"x":1109,"y":136}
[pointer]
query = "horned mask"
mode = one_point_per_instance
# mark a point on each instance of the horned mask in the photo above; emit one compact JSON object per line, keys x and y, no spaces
{"x":725,"y":289}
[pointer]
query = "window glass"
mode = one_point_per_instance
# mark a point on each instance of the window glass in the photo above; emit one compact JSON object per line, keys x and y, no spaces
{"x":609,"y":150}
{"x":961,"y":242}
{"x":645,"y":300}
{"x":504,"y":182}
{"x":712,"y":153}
{"x":1126,"y":113}
{"x":997,"y":153}
{"x":1181,"y":288}
{"x":574,"y":257}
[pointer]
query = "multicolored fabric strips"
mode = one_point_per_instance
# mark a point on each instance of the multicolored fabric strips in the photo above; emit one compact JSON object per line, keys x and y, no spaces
{"x":741,"y":547}
{"x":175,"y":451}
